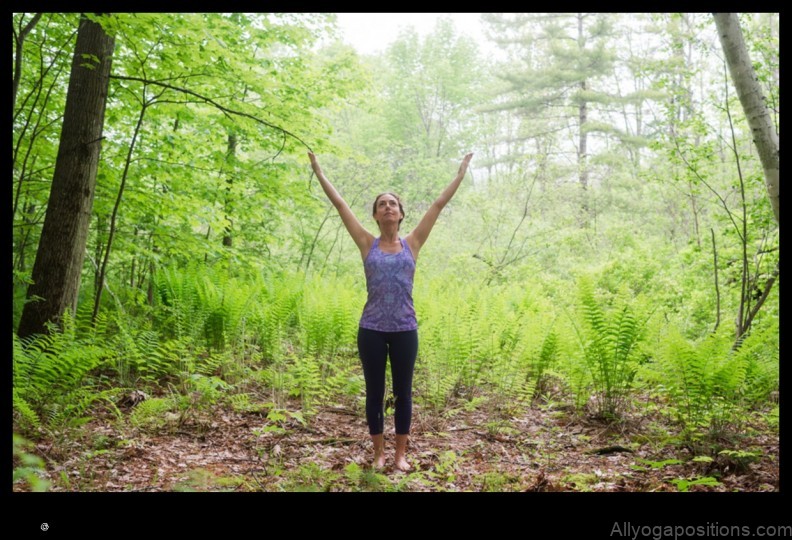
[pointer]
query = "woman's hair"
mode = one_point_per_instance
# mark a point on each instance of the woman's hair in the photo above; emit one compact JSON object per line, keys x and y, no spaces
{"x":401,"y":208}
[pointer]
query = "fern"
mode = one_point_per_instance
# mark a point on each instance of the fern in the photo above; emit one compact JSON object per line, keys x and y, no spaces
{"x":180,"y":302}
{"x":151,"y":413}
{"x":279,"y":304}
{"x":92,"y":329}
{"x":50,"y":365}
{"x":306,"y":374}
{"x":608,"y":346}
{"x":758,"y":357}
{"x":544,"y":362}
{"x":141,"y":353}
{"x":315,"y":322}
{"x":705,"y":382}
{"x":438,"y":388}
{"x":215,"y":329}
{"x":239,"y":299}
{"x":434,"y":385}
{"x":344,"y":379}
{"x":224,"y":302}
{"x":71,"y":411}
{"x":28,"y":418}
{"x":205,"y":391}
{"x":455,"y":332}
{"x":242,"y":402}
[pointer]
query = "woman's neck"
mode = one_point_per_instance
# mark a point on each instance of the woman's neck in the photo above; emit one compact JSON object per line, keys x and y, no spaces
{"x":389,"y":234}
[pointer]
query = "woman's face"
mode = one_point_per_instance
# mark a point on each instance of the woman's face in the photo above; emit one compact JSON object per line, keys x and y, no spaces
{"x":387,"y":209}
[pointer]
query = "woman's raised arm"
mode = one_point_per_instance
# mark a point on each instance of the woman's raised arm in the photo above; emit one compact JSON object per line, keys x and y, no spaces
{"x":363,"y":239}
{"x":418,"y":236}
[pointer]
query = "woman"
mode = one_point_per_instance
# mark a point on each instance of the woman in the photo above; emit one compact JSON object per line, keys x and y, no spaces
{"x":388,"y":326}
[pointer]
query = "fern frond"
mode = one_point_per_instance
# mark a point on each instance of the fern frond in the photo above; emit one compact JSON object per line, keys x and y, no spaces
{"x":608,"y":346}
{"x":25,"y":411}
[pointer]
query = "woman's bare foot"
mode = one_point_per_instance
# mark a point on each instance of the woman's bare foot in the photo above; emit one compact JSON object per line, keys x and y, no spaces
{"x":401,"y":449}
{"x":402,"y":465}
{"x":379,"y":451}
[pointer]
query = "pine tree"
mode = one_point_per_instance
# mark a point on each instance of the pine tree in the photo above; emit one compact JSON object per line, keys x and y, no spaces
{"x":557,"y":62}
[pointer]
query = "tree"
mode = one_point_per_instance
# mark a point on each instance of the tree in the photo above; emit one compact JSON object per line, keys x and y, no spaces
{"x":753,"y":101}
{"x":560,"y":60}
{"x":674,"y":74}
{"x":205,"y":157}
{"x":404,"y":132}
{"x":19,"y":40}
{"x":431,"y":87}
{"x":42,"y":60}
{"x":58,"y":266}
{"x":749,"y":91}
{"x":709,"y":151}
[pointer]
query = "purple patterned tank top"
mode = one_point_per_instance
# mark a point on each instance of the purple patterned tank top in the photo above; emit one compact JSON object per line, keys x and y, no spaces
{"x":389,"y":281}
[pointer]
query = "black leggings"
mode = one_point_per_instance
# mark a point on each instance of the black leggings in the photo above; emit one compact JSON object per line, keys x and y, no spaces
{"x":374,"y":348}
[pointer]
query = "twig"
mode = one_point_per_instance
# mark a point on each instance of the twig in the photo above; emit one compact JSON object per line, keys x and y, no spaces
{"x":333,"y":440}
{"x":610,"y":450}
{"x":339,"y":410}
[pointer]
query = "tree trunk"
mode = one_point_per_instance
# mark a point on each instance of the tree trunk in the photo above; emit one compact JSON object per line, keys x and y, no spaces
{"x":61,"y":251}
{"x":114,"y":214}
{"x":19,"y":41}
{"x":99,"y":249}
{"x":752,"y":100}
{"x":230,"y":160}
{"x":583,"y":151}
{"x":28,"y":220}
{"x":583,"y":142}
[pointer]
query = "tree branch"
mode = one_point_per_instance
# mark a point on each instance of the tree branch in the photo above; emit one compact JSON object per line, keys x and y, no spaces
{"x":768,"y":285}
{"x":20,"y":40}
{"x":717,"y":290}
{"x":221,"y":108}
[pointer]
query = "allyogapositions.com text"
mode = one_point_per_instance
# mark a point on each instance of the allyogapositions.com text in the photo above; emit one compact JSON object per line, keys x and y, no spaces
{"x":657,"y":532}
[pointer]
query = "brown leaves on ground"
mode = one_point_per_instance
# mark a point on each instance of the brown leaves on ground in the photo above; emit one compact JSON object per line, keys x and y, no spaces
{"x":463,"y":449}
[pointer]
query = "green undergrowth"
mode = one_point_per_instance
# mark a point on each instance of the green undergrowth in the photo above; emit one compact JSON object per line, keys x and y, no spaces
{"x":255,"y":343}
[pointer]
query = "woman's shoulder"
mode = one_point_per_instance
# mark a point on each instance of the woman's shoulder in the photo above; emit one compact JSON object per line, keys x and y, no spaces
{"x":371,"y":243}
{"x":410,"y":244}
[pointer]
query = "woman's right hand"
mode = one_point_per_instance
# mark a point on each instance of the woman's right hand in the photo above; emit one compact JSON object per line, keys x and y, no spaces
{"x":359,"y":234}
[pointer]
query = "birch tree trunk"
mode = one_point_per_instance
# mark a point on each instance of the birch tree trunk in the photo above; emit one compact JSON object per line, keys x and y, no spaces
{"x":752,"y":100}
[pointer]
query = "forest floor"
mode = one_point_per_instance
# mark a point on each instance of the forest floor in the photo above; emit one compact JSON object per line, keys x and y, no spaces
{"x":546,"y":447}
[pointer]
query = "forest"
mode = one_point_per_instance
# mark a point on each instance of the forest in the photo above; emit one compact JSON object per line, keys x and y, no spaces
{"x":598,"y":305}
